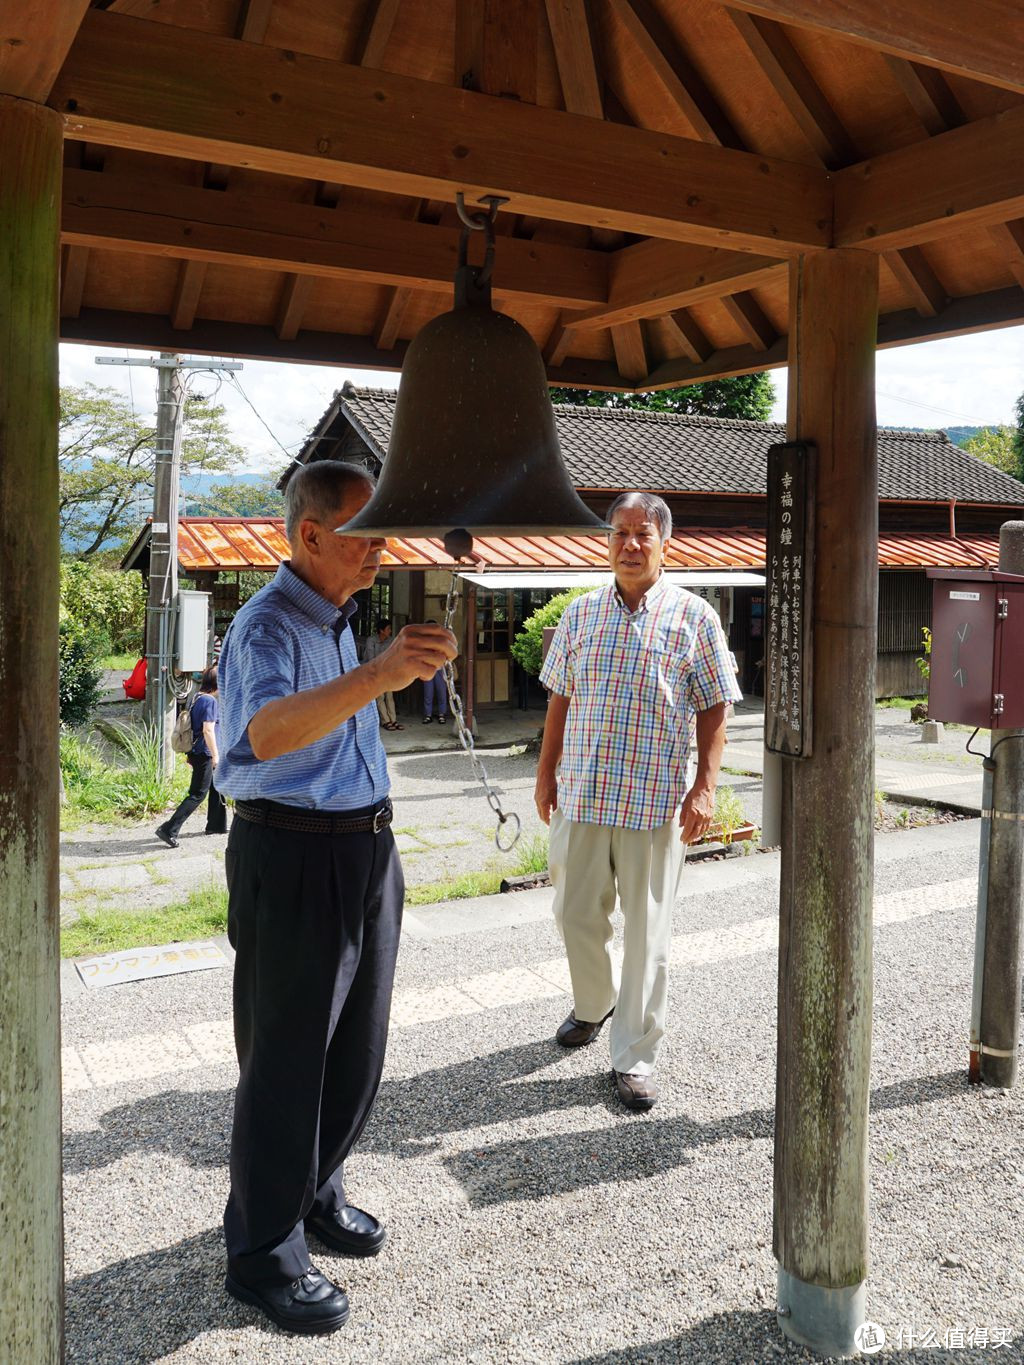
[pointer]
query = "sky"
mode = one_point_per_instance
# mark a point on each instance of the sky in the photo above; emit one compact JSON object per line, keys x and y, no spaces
{"x":965,"y":381}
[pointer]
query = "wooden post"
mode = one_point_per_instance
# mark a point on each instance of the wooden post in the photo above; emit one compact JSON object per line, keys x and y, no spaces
{"x":824,"y":1021}
{"x":31,"y":1259}
{"x":469,"y":656}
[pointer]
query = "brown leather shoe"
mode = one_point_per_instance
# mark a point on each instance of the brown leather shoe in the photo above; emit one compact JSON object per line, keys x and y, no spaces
{"x":575,"y":1032}
{"x":636,"y":1092}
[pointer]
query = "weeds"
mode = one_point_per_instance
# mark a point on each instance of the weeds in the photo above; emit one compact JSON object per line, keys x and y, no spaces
{"x":96,"y":789}
{"x":111,"y":929}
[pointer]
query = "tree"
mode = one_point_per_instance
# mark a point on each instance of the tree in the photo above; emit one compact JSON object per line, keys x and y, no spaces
{"x":748,"y":396}
{"x":262,"y":499}
{"x":995,"y":445}
{"x":528,"y":645}
{"x":1018,"y":439}
{"x":106,"y":605}
{"x":107,"y":458}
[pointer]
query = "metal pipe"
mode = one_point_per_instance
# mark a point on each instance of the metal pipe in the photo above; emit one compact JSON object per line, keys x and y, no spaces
{"x":974,"y":1068}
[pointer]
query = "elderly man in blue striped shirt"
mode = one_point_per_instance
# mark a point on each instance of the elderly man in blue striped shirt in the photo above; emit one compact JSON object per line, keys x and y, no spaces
{"x":315,"y":894}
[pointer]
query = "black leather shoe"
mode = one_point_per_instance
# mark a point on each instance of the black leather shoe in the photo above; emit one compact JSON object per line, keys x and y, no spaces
{"x":574,"y":1032}
{"x":169,"y":839}
{"x":312,"y":1304}
{"x":636,"y":1092}
{"x":348,"y":1230}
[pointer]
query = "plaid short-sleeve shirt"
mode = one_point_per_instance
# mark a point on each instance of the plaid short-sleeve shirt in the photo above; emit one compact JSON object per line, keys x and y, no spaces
{"x":635,"y":682}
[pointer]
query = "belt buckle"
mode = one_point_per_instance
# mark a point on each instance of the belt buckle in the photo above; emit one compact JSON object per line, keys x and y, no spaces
{"x":380,"y":820}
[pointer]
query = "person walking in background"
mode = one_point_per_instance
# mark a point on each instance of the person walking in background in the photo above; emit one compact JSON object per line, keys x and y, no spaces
{"x":202,"y":758}
{"x":372,"y":649}
{"x":435,"y":693}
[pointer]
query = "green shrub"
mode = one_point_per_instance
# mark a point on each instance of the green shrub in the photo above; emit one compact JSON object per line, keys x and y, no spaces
{"x":95,"y":788}
{"x":528,"y":646}
{"x":106,"y":603}
{"x":79,"y":679}
{"x":924,"y":663}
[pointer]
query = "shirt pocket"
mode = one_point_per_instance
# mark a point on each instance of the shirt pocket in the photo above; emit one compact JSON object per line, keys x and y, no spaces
{"x":661,"y":677}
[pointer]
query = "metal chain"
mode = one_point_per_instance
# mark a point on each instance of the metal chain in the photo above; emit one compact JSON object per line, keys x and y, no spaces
{"x":466,"y":738}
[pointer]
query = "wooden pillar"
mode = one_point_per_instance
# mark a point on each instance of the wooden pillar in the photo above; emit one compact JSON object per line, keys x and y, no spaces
{"x":469,"y":656}
{"x":31,"y":1261}
{"x":824,"y":1021}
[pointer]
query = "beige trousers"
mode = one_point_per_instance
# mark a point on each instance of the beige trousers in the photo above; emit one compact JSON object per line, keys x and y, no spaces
{"x":588,"y":864}
{"x":386,"y":707}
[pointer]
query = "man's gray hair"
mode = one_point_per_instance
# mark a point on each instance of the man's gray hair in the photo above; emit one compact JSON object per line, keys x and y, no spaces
{"x":317,"y":490}
{"x":656,"y":509}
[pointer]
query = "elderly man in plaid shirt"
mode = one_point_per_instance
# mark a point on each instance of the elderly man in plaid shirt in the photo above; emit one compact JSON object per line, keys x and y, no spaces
{"x":635,"y":671}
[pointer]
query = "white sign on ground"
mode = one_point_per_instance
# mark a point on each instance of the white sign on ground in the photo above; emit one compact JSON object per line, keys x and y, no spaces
{"x":139,"y":964}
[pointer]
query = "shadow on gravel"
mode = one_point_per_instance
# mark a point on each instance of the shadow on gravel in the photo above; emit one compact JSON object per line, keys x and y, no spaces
{"x":142,"y":1308}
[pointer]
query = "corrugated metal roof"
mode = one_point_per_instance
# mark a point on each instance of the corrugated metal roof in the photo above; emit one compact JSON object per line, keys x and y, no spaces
{"x":612,"y":448}
{"x":211,"y":543}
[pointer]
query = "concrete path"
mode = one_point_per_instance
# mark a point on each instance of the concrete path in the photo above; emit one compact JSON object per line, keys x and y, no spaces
{"x":531,"y":1218}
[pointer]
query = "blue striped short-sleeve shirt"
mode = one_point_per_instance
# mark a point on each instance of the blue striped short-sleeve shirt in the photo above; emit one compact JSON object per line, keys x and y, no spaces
{"x":283,"y":641}
{"x":635,"y":681}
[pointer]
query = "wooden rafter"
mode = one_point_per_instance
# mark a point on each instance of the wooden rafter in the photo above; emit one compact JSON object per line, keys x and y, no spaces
{"x":412,"y":137}
{"x":1009,"y":237}
{"x":556,"y":348}
{"x":661,"y":51}
{"x":796,"y":88}
{"x":253,"y":20}
{"x":688,"y":336}
{"x":386,"y":333}
{"x":930,"y":189}
{"x":918,"y":279}
{"x":984,"y":41}
{"x":653,"y":277}
{"x":630,"y":351}
{"x":191,"y":276}
{"x":74,"y":262}
{"x":929,"y":95}
{"x":292,"y":305}
{"x":496,"y":47}
{"x":377,"y":26}
{"x":571,"y":37}
{"x":108,"y":211}
{"x":750,"y":318}
{"x":34,"y":41}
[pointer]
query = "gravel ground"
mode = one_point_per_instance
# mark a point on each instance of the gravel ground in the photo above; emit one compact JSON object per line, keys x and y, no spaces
{"x":531,"y":1217}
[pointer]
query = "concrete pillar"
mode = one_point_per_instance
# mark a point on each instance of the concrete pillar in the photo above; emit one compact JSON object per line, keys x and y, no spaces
{"x":824,"y":1045}
{"x":31,"y":1261}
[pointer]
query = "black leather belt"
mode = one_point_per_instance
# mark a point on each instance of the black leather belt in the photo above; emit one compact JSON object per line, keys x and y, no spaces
{"x":277,"y":816}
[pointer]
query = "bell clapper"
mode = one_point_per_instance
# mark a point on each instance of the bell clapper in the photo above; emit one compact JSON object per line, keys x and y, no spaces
{"x":509,"y":818}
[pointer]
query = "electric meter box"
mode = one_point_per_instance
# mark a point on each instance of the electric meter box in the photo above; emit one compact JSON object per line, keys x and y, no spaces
{"x":977,"y":658}
{"x":193,"y":631}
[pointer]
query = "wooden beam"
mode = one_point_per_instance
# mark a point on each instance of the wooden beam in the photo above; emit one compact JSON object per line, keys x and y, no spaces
{"x":221,"y":227}
{"x":652,"y":278}
{"x":985,"y":42}
{"x":658,"y":46}
{"x":414,"y":137}
{"x":556,"y":348}
{"x":292,"y":305}
{"x":191,"y":275}
{"x":35,"y":36}
{"x":377,"y":26}
{"x":749,"y":316}
{"x":919,"y":280}
{"x":496,"y":47}
{"x":386,"y":333}
{"x":74,"y":260}
{"x":253,"y":20}
{"x":571,"y":37}
{"x":928,"y":94}
{"x":931,"y":189}
{"x":796,"y":88}
{"x":688,"y":336}
{"x":1009,"y":237}
{"x":630,"y":351}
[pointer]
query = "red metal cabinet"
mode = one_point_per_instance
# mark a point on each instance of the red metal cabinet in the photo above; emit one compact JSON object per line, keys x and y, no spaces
{"x":977,"y":659}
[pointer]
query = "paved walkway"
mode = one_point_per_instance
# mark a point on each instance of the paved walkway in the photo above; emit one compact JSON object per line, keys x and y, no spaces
{"x":533,"y":1219}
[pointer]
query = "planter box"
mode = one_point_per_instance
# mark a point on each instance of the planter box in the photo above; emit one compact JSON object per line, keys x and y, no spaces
{"x":715,"y":836}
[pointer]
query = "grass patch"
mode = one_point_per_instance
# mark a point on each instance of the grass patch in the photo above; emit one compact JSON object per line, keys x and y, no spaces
{"x":530,"y":855}
{"x":899,"y":703}
{"x":119,"y":663}
{"x":112,"y":929}
{"x":128,"y":790}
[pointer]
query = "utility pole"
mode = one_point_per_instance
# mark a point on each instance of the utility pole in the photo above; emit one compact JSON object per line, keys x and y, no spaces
{"x":162,"y":603}
{"x":997,"y":977}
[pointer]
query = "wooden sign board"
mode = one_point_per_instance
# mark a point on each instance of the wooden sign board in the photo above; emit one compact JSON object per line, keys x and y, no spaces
{"x":789,"y":695}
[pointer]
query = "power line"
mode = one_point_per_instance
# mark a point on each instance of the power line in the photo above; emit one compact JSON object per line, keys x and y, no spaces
{"x":931,"y":407}
{"x":270,"y":433}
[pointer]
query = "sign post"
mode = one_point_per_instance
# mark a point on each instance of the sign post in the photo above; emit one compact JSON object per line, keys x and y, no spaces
{"x":788,"y":703}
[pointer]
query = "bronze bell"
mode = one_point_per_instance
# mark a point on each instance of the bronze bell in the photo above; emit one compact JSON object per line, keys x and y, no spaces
{"x":473,"y":448}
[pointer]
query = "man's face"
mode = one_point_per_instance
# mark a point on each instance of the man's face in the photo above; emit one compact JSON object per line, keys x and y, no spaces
{"x":345,"y":564}
{"x":635,"y":549}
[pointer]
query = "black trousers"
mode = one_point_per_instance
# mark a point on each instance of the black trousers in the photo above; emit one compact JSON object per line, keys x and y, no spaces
{"x":200,"y":787}
{"x":314,"y":920}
